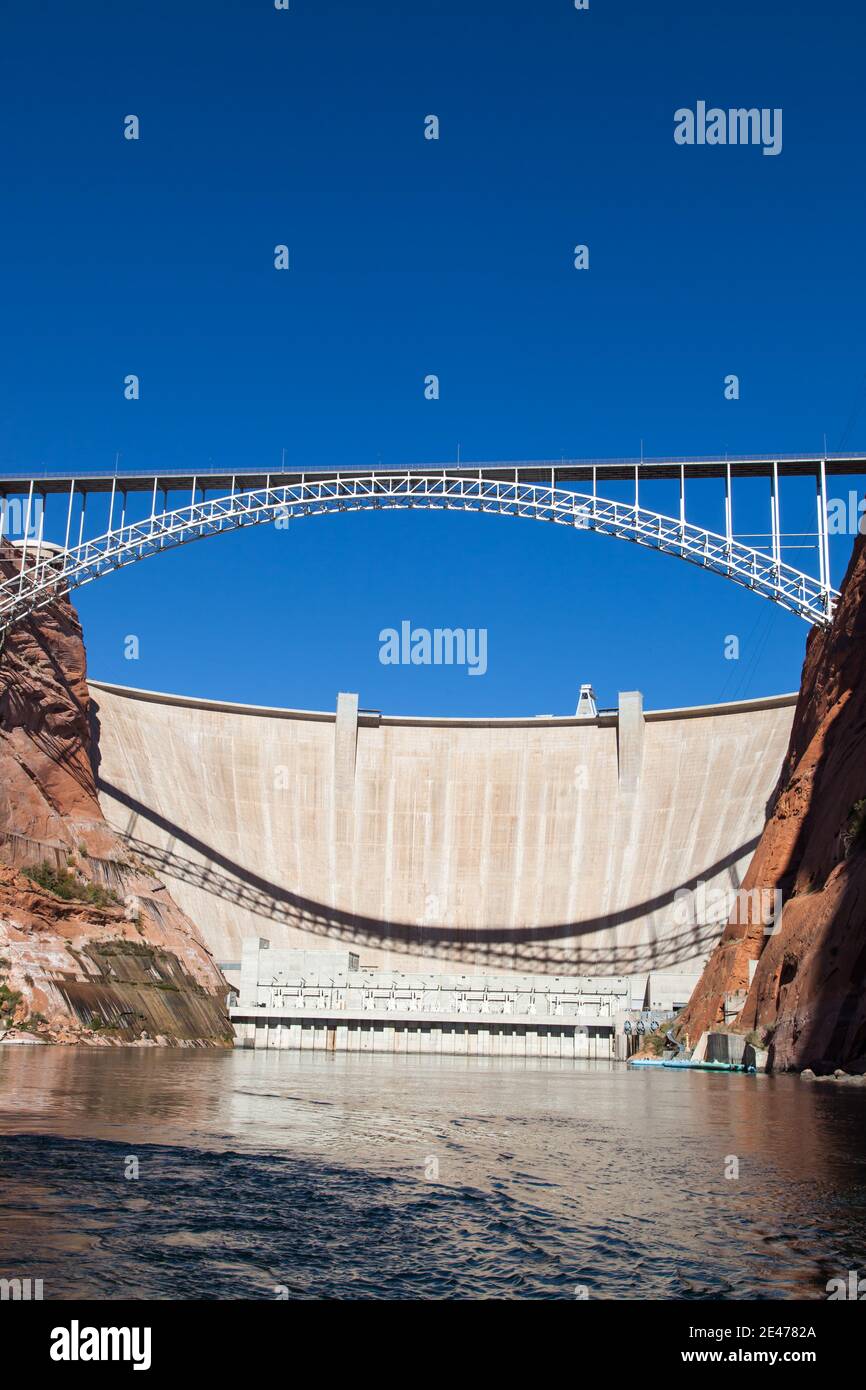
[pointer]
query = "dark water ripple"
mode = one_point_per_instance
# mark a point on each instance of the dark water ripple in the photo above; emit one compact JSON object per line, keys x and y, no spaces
{"x":267,"y":1173}
{"x":229,"y":1225}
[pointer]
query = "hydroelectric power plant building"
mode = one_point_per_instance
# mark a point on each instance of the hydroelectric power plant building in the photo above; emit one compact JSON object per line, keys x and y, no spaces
{"x":321,"y":1000}
{"x":473,"y":867}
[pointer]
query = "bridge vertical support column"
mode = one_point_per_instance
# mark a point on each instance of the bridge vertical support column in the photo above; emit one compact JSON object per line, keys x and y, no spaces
{"x":774,"y":515}
{"x":69,"y":514}
{"x":629,"y":739}
{"x":821,"y":500}
{"x":729,"y":516}
{"x":40,"y":535}
{"x":825,"y":530}
{"x":26,"y":534}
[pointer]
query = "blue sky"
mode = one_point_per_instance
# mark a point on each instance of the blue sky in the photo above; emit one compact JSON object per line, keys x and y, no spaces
{"x":412,"y":257}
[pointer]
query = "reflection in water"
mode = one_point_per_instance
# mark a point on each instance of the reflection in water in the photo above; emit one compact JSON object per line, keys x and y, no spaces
{"x":414,"y":1177}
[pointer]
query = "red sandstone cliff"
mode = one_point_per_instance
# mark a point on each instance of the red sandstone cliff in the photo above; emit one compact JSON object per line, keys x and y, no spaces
{"x":92,"y":946}
{"x":808,"y":995}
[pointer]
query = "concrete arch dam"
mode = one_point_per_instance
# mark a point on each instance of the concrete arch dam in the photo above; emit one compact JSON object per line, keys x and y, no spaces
{"x":546,"y":845}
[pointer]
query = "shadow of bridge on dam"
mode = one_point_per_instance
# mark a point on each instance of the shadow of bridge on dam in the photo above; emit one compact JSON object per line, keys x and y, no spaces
{"x":553,"y":948}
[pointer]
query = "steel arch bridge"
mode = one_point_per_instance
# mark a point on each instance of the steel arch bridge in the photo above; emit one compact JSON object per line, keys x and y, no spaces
{"x":43,"y":569}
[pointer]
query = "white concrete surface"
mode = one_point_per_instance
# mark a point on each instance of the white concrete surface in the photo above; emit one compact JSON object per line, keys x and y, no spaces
{"x":491,"y":845}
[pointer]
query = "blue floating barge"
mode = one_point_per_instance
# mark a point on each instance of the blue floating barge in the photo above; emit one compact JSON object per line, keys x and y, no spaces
{"x":684,"y":1064}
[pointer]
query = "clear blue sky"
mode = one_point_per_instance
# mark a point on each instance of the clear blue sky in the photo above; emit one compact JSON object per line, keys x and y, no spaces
{"x":412,"y":257}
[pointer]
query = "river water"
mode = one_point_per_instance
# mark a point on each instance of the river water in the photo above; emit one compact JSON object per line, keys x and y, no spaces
{"x":262,"y":1175}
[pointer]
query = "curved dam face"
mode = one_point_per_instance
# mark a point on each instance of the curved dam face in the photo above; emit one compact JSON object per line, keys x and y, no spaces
{"x":557,"y":846}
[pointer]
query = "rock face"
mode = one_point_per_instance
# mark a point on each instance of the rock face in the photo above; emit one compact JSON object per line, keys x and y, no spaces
{"x":808,"y":994}
{"x":92,"y":947}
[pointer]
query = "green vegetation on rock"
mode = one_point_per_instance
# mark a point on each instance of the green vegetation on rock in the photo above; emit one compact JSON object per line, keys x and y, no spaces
{"x":855,"y":830}
{"x":64,"y":884}
{"x":9,"y":1001}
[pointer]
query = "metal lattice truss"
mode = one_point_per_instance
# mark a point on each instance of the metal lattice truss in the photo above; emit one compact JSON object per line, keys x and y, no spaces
{"x":47,"y":571}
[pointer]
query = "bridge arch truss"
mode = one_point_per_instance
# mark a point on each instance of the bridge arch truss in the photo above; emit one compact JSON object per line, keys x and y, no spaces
{"x":46,"y":569}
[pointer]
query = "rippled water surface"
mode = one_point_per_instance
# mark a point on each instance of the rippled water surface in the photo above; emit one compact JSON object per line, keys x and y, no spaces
{"x":358,"y":1177}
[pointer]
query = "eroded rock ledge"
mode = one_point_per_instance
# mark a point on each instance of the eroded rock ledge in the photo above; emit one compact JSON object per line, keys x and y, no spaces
{"x":92,"y":946}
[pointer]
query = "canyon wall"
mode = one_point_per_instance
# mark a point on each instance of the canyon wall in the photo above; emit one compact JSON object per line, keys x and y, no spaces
{"x":92,"y":946}
{"x":808,"y":994}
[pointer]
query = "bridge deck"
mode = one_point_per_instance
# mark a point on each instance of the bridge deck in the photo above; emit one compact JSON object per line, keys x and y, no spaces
{"x":564,"y":470}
